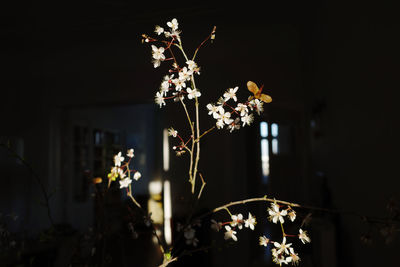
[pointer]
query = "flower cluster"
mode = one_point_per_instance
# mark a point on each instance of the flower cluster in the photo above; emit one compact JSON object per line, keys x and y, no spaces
{"x":121,"y":169}
{"x":283,"y":252}
{"x":234,"y":117}
{"x":237,"y":222}
{"x":179,"y":83}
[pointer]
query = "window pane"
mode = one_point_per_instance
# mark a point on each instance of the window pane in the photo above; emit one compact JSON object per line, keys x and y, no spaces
{"x":264,"y":160}
{"x":263,"y":129}
{"x":274,"y":129}
{"x":275,"y":146}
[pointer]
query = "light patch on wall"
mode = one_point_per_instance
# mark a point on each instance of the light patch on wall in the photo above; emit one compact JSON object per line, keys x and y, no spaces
{"x":167,"y":212}
{"x":165,"y":150}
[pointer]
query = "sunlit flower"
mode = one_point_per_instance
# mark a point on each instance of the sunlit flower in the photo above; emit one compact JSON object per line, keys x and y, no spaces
{"x":214,"y":110}
{"x":159,"y":99}
{"x":231,"y":94}
{"x":179,"y":84}
{"x":293,"y":258}
{"x":224,"y":117}
{"x":216,"y":226}
{"x":230,"y":233}
{"x":257,"y":105}
{"x":172,"y":132}
{"x":247,"y":119}
{"x":191,"y":64}
{"x":118,"y":159}
{"x":185,"y":74}
{"x":125,"y":182}
{"x":304,"y":237}
{"x":130,"y":153}
{"x":121,"y":173}
{"x":159,"y":30}
{"x":173,"y":24}
{"x":282,"y":247}
{"x":193,"y":93}
{"x":158,"y":53}
{"x":237,"y":220}
{"x":137,"y":175}
{"x":278,"y":258}
{"x":291,"y":214}
{"x":250,"y":222}
{"x":276,"y":214}
{"x":263,"y":241}
{"x":242,"y":108}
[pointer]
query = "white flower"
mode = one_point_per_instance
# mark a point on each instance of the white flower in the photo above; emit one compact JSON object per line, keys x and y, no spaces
{"x":193,"y":93}
{"x":118,"y":159}
{"x":137,"y":175}
{"x":242,"y":108}
{"x":216,"y":226}
{"x":130,"y":153}
{"x":230,"y":233}
{"x":282,"y":247}
{"x":164,"y":88}
{"x":220,"y":124}
{"x":247,"y":119}
{"x":292,"y":214}
{"x":250,"y":222}
{"x":173,"y":24}
{"x":304,"y":237}
{"x":185,"y":74}
{"x":278,"y":258}
{"x":257,"y":105}
{"x":237,"y":220}
{"x":159,"y":99}
{"x":172,"y":132}
{"x":293,"y":258}
{"x":124,"y":182}
{"x":224,"y":117}
{"x":158,"y":53}
{"x":156,"y":63}
{"x":214,"y":110}
{"x":179,"y":84}
{"x":159,"y":30}
{"x":276,"y":214}
{"x":263,"y":241}
{"x":231,"y":94}
{"x":191,"y":65}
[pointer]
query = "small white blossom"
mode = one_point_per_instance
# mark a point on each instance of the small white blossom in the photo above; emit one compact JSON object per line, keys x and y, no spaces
{"x":242,"y":108}
{"x":263,"y":241}
{"x":130,"y":153}
{"x":121,"y":173}
{"x":173,"y":24}
{"x":257,"y":105}
{"x":224,"y":117}
{"x":118,"y":159}
{"x":137,"y":175}
{"x":230,"y":233}
{"x":214,"y":110}
{"x":158,"y":53}
{"x":179,"y":84}
{"x":276,"y":214}
{"x":124,"y":182}
{"x":247,"y":119}
{"x":159,"y":99}
{"x":237,"y":220}
{"x":304,"y":237}
{"x":191,"y":65}
{"x":293,"y":258}
{"x":172,"y":132}
{"x":159,"y":30}
{"x":231,"y":94}
{"x":282,"y":247}
{"x":193,"y":93}
{"x":250,"y":222}
{"x":185,"y":74}
{"x":234,"y":125}
{"x":292,"y":215}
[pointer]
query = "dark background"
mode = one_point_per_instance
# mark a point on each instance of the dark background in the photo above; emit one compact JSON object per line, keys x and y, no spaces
{"x":331,"y":69}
